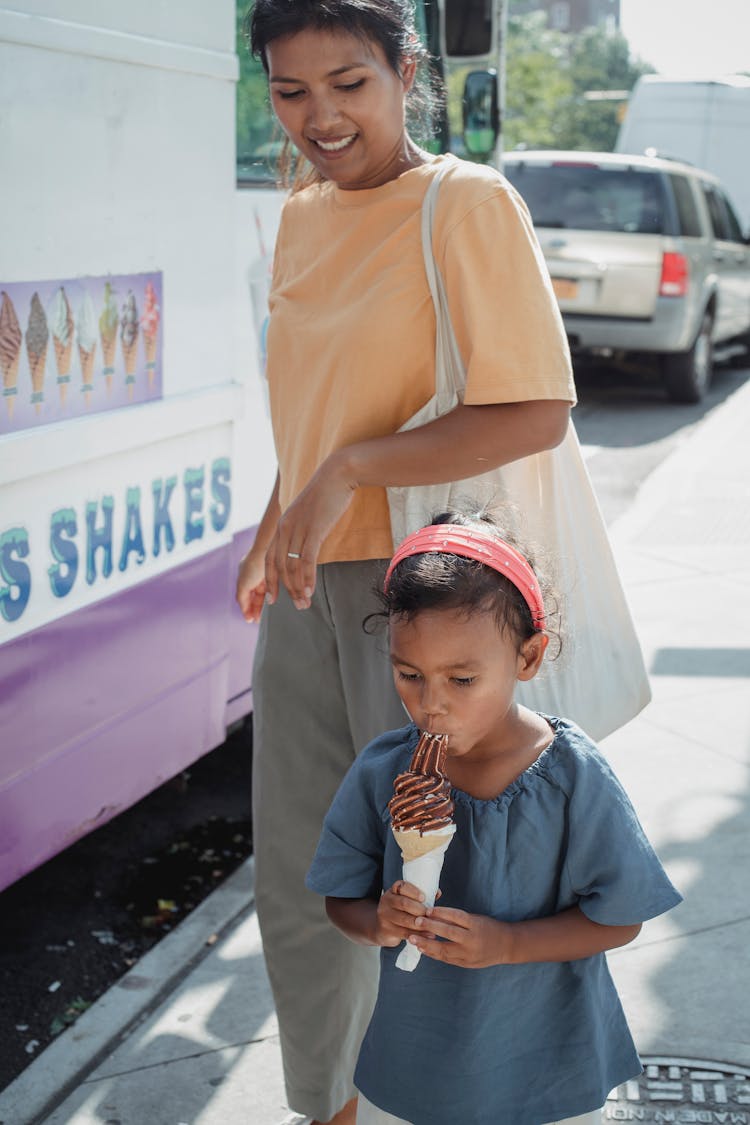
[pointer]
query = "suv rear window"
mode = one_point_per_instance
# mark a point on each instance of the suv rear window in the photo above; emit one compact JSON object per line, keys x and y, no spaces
{"x":585,"y":197}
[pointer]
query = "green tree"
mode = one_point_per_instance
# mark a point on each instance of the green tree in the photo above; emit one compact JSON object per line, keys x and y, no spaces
{"x":598,"y":61}
{"x":537,"y":83}
{"x":551,"y":77}
{"x":255,"y":122}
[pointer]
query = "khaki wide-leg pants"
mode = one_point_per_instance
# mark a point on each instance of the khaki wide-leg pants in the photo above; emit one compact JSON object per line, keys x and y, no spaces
{"x":322,"y":689}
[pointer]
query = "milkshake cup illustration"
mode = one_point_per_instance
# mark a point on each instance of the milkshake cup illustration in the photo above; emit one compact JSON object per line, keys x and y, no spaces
{"x":37,"y":342}
{"x":129,"y":340}
{"x":61,"y":322}
{"x":86,"y":340}
{"x":11,"y":339}
{"x":108,"y":322}
{"x":150,"y":330}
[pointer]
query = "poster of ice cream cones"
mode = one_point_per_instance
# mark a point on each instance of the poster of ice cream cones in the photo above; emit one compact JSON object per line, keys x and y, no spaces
{"x":78,"y":346}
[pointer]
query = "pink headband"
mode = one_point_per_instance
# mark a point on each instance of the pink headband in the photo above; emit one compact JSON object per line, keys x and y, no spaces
{"x":452,"y":539}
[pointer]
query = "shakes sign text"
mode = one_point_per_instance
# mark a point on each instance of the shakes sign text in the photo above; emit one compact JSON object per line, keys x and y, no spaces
{"x":111,"y":538}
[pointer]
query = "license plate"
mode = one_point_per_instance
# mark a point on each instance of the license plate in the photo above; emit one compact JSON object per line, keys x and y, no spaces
{"x":564,"y":288}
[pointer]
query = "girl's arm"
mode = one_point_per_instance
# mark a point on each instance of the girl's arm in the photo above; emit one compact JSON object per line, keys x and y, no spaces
{"x":251,"y":579}
{"x":475,"y":941}
{"x":388,"y":921}
{"x":464,"y":443}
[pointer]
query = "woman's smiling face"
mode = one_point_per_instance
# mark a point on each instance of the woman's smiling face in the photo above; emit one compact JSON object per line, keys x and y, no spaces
{"x":342,"y":105}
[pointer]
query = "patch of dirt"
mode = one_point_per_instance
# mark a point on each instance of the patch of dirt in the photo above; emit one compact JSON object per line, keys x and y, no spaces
{"x":71,"y":928}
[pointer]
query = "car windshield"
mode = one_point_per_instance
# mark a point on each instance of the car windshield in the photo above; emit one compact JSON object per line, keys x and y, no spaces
{"x":585,"y":197}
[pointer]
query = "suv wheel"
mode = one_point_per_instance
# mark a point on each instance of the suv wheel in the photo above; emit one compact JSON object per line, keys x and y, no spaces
{"x":687,"y":375}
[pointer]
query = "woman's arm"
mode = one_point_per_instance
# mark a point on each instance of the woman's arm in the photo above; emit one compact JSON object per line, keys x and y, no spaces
{"x":475,"y":941}
{"x":251,"y":579}
{"x":463,"y":443}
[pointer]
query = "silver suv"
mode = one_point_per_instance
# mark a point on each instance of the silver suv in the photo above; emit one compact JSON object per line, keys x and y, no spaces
{"x":646,"y":256}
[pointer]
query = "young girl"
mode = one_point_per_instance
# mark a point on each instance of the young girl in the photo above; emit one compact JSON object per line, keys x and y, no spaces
{"x":511,"y":1016}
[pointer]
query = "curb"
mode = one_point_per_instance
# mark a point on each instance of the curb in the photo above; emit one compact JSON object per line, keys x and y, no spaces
{"x":75,"y":1053}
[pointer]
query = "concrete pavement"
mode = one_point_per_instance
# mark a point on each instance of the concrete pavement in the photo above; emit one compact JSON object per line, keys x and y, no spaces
{"x":189,"y":1035}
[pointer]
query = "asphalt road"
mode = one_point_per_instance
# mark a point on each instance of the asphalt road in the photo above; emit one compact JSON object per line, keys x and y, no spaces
{"x":627,"y":426}
{"x":70,"y":929}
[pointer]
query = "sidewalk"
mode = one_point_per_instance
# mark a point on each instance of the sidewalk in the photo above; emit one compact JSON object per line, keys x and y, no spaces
{"x":189,"y":1036}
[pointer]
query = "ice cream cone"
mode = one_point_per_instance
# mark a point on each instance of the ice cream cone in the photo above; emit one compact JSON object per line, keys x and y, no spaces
{"x":37,"y":342}
{"x":62,"y":325}
{"x":129,"y":331}
{"x":149,"y":323}
{"x":108,"y":323}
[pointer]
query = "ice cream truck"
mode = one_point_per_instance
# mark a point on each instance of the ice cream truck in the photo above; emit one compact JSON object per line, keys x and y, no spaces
{"x":139,"y":211}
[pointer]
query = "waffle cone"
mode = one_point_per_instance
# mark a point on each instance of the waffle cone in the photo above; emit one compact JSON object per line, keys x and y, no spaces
{"x":109,"y":344}
{"x":413,"y":845}
{"x":130,"y":355}
{"x":149,"y":343}
{"x":63,"y":354}
{"x":10,"y":370}
{"x":37,"y":364}
{"x":87,"y":363}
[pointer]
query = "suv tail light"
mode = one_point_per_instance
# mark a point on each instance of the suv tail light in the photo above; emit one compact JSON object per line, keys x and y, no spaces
{"x":675,"y":273}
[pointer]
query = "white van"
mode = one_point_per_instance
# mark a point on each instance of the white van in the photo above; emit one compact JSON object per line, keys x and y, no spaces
{"x":702,"y":122}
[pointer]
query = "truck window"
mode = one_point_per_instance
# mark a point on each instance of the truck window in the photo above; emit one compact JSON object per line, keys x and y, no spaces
{"x":687,"y":210}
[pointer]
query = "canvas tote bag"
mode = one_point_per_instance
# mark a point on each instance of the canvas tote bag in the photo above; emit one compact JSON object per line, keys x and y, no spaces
{"x":599,"y":679}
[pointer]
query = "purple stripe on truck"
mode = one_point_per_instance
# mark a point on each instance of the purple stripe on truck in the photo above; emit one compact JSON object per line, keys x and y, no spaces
{"x":103,"y":705}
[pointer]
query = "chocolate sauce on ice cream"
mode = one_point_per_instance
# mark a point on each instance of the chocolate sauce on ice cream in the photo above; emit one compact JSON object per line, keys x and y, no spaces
{"x":422,"y":796}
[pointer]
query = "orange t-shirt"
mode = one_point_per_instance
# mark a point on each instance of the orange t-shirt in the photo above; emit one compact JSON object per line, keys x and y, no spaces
{"x":351,"y":338}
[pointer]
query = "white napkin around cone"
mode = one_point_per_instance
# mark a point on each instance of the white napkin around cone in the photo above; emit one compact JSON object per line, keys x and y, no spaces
{"x":424,"y":872}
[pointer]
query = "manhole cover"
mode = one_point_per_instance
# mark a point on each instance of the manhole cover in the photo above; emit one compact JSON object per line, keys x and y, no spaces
{"x":683,"y":1090}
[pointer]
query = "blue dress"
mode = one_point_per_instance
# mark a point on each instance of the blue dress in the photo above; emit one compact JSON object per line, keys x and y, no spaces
{"x":509,"y":1044}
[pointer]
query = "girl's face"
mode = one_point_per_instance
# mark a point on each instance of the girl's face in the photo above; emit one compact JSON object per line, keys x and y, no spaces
{"x":457,"y":675}
{"x":342,"y":105}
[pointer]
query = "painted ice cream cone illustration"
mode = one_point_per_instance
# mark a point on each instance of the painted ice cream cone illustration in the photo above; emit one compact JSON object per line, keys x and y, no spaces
{"x":61,"y":322}
{"x":11,"y":339}
{"x":37,"y":342}
{"x":86,"y":340}
{"x":422,"y":823}
{"x":129,"y":340}
{"x":108,"y":322}
{"x":150,"y":330}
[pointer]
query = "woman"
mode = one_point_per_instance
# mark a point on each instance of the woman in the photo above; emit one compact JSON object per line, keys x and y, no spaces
{"x":350,"y":358}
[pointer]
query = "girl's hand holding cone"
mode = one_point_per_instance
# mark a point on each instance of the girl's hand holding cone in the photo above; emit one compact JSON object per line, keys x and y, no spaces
{"x":398,"y":911}
{"x":472,"y":941}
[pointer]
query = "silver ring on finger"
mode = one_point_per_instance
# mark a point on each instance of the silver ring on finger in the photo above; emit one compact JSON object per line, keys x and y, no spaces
{"x":293,"y":555}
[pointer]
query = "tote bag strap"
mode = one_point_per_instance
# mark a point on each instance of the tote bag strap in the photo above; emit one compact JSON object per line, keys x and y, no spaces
{"x":450,"y":377}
